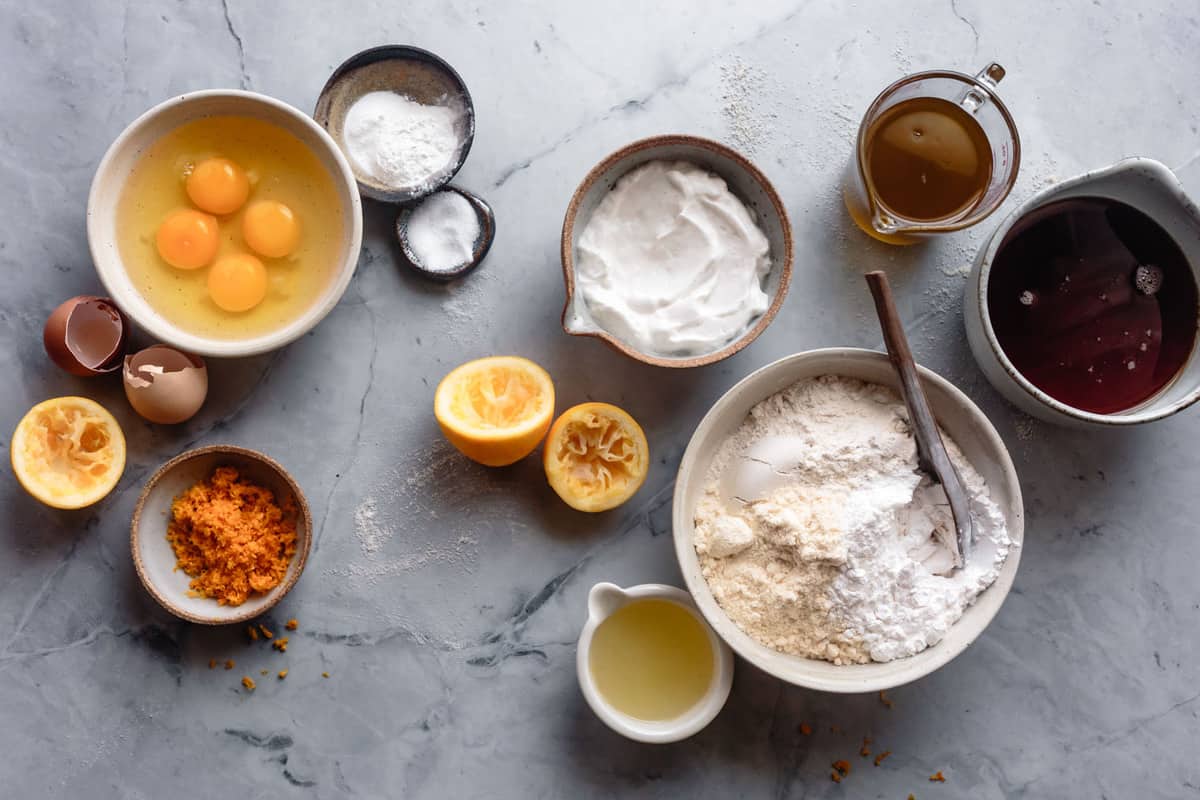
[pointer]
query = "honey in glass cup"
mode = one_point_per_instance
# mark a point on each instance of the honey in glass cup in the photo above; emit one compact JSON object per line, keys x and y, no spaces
{"x":937,"y":151}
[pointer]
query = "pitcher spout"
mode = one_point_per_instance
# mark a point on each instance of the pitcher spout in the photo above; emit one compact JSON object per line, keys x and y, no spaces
{"x":604,"y":599}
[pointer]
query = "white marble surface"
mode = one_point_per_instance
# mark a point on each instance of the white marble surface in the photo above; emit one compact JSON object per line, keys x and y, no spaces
{"x":444,"y":598}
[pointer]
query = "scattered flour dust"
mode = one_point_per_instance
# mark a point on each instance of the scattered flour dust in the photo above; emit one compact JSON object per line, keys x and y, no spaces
{"x":468,"y":305}
{"x":751,"y":123}
{"x":819,"y":538}
{"x":393,"y":530}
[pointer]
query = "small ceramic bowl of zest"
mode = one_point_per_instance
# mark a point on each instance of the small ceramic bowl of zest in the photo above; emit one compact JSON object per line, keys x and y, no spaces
{"x":649,"y":665}
{"x":289,"y":159}
{"x":752,"y":194}
{"x":154,"y":559}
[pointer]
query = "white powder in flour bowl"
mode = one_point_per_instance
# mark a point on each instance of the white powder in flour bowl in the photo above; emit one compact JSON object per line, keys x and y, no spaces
{"x":837,"y":556}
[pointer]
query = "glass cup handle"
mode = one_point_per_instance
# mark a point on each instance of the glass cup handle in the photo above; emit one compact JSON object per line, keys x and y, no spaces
{"x":989,"y":76}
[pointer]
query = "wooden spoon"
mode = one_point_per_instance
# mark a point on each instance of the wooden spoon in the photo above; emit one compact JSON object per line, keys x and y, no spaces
{"x":932,"y":457}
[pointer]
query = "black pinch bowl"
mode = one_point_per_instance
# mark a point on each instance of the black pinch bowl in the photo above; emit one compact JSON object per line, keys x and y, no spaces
{"x":487,"y":234}
{"x":416,"y":73}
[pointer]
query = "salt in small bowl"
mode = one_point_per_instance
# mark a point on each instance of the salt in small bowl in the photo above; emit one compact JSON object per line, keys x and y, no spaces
{"x":479,"y":251}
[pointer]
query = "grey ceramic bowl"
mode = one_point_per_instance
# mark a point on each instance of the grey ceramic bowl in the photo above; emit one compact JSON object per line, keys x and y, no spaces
{"x":410,"y":71}
{"x":744,"y":179}
{"x":956,"y":415}
{"x":1149,"y":187}
{"x":154,"y":559}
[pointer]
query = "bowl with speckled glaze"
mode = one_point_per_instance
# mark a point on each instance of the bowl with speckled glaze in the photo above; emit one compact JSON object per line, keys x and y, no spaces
{"x":960,"y":418}
{"x":744,"y":180}
{"x":1143,"y":184}
{"x":154,"y":559}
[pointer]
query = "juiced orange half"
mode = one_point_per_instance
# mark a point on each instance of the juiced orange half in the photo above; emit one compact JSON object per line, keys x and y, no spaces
{"x":495,"y":410}
{"x":596,"y":457}
{"x":68,"y":452}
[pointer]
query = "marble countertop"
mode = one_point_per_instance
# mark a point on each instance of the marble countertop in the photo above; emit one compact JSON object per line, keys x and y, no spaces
{"x":444,"y":598}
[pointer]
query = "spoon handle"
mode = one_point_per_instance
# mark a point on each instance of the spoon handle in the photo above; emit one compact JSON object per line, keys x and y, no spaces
{"x":931,"y":451}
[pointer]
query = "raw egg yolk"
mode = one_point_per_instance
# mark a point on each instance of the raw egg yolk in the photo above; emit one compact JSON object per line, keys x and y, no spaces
{"x":218,"y":186}
{"x":270,"y":229}
{"x":237,"y":282}
{"x":187,"y":239}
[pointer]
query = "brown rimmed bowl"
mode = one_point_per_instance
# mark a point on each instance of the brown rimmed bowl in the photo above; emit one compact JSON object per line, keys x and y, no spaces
{"x":744,"y":179}
{"x":154,"y":559}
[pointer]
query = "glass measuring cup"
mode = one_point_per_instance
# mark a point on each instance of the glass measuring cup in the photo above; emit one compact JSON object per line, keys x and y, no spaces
{"x":974,"y":95}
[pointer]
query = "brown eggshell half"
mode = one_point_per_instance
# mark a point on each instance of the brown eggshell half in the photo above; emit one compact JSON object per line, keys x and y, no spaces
{"x":165,"y":385}
{"x":86,"y":335}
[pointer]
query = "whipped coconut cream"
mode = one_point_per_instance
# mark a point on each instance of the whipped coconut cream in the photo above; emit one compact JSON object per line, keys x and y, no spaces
{"x":671,"y":262}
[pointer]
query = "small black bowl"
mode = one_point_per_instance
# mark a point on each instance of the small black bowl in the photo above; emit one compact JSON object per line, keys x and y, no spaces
{"x":410,"y":71}
{"x":487,"y":234}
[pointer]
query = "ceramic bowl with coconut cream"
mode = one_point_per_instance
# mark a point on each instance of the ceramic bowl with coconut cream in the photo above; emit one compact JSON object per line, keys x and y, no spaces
{"x":743,"y":179}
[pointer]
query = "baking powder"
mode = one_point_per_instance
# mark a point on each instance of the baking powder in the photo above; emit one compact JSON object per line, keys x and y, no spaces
{"x":399,"y":142}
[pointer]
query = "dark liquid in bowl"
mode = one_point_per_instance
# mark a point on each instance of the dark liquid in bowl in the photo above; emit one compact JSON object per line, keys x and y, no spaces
{"x":1094,"y":303}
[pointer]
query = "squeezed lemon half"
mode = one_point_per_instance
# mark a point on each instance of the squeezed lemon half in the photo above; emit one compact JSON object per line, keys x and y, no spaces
{"x":495,"y":410}
{"x":68,"y":452}
{"x":596,"y":457}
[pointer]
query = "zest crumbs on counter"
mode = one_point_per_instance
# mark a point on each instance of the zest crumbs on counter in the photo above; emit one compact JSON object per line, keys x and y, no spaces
{"x":248,"y":682}
{"x":292,"y":624}
{"x":232,"y":537}
{"x":805,"y":729}
{"x":879,"y":758}
{"x":887,"y":701}
{"x":938,"y":777}
{"x":212,"y":662}
{"x":229,"y":663}
{"x":280,"y":644}
{"x":324,"y":674}
{"x":266,"y":632}
{"x":282,"y":674}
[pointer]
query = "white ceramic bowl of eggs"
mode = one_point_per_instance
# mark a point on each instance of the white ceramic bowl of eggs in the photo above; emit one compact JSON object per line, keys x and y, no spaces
{"x":955,"y":414}
{"x":123,"y":154}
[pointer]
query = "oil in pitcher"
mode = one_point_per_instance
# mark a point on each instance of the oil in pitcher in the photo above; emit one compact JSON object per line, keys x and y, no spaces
{"x":928,"y":160}
{"x":937,"y":151}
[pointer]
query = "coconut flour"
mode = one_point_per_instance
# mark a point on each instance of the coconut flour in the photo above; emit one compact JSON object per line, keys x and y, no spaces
{"x":819,"y":537}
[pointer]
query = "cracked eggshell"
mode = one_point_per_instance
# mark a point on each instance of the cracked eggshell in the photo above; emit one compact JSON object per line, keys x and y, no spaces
{"x":86,"y":335}
{"x":165,"y":385}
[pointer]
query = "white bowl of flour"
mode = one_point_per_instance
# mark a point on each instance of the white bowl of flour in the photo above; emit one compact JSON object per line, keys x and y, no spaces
{"x":805,"y":536}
